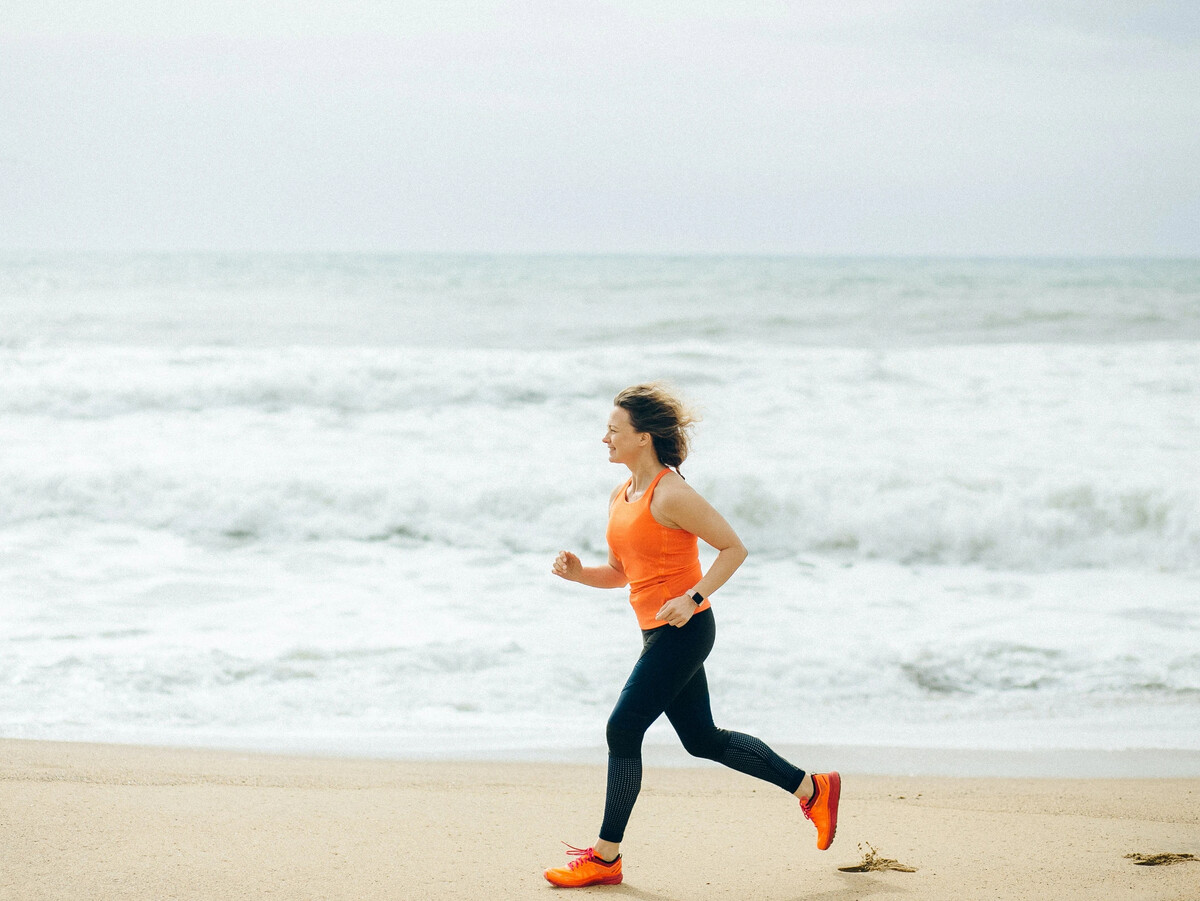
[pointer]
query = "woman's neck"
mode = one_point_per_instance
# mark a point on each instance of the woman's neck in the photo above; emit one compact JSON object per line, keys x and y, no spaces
{"x":644,"y":470}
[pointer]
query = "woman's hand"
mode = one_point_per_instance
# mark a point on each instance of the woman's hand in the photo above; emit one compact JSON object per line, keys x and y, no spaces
{"x":677,"y":611}
{"x":567,"y":566}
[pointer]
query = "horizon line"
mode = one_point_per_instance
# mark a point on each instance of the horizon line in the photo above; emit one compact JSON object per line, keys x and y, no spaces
{"x":632,"y":254}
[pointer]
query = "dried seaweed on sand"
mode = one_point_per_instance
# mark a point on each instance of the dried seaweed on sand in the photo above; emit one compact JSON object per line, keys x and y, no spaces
{"x":872,"y":861}
{"x":1160,"y":860}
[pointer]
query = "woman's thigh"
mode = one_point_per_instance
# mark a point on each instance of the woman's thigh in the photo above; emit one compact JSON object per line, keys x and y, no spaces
{"x":670,"y":661}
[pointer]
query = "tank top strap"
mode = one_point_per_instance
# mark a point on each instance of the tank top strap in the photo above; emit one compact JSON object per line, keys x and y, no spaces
{"x":654,"y":484}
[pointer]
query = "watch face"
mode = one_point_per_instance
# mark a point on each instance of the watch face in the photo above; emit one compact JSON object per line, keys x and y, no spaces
{"x":697,"y":597}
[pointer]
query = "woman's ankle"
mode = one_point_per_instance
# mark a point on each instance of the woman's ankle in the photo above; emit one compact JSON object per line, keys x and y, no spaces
{"x":607,"y":851}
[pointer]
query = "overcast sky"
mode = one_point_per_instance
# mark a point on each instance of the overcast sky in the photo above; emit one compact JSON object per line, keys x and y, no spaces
{"x":997,"y":127}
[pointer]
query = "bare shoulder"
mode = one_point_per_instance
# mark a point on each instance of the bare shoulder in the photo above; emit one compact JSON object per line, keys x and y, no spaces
{"x":677,"y":505}
{"x":672,"y":487}
{"x":675,"y":500}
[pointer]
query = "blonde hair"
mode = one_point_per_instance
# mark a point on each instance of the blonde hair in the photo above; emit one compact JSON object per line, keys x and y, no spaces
{"x":655,"y":409}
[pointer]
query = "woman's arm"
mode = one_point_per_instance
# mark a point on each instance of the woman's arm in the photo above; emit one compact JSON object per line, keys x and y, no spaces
{"x":611,"y":575}
{"x":681,"y":507}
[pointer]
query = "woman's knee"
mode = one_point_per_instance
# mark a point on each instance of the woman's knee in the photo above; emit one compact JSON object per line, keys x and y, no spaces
{"x":624,"y":735}
{"x":709,"y":744}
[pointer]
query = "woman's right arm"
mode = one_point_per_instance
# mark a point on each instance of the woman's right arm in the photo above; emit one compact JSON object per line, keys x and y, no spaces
{"x":567,"y":565}
{"x":611,"y":575}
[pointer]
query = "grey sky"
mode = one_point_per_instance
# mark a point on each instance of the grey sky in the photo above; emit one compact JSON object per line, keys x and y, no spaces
{"x":1052,"y":127}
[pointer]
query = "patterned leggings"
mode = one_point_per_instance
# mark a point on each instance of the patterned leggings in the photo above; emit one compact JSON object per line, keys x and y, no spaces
{"x":669,"y":678}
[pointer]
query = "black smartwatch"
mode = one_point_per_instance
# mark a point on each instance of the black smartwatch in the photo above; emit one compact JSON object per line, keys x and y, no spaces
{"x":698,"y":598}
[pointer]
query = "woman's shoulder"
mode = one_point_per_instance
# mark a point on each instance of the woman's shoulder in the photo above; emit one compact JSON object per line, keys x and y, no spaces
{"x":675,"y":502}
{"x":671,"y":486}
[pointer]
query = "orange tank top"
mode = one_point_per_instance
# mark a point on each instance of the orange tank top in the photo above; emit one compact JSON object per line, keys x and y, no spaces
{"x":660,"y":563}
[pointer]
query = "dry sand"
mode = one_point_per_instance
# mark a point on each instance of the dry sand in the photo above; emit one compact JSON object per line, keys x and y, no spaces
{"x":98,"y":822}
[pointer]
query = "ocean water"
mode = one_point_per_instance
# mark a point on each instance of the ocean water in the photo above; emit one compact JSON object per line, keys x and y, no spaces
{"x":311,"y":502}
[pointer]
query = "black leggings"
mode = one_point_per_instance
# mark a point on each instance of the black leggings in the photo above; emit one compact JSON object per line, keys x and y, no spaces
{"x":669,"y":678}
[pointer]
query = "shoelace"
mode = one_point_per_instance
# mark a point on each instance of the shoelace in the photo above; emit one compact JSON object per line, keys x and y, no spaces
{"x":581,"y":855}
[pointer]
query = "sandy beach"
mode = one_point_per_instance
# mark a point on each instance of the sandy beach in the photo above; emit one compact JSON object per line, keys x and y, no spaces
{"x":104,"y":821}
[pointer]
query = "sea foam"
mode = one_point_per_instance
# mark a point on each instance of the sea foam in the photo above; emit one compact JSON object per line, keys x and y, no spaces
{"x":312,"y":502}
{"x":1014,"y":456}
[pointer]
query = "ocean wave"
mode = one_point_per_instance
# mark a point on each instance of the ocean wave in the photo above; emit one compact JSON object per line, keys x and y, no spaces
{"x":991,"y":668}
{"x":92,"y":383}
{"x":1011,"y":524}
{"x":1004,"y":521}
{"x":1022,"y":457}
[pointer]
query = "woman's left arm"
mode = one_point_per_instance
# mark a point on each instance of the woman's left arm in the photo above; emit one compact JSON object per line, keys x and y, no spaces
{"x":681,"y":507}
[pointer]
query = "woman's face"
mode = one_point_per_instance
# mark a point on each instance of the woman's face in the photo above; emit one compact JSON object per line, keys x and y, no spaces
{"x":624,"y":442}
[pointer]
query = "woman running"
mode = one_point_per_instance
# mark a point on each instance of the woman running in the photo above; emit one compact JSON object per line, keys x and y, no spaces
{"x":654,"y":520}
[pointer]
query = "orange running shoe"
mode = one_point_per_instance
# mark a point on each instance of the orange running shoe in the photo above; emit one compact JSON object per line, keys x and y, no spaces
{"x":822,"y":807}
{"x":585,"y":869}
